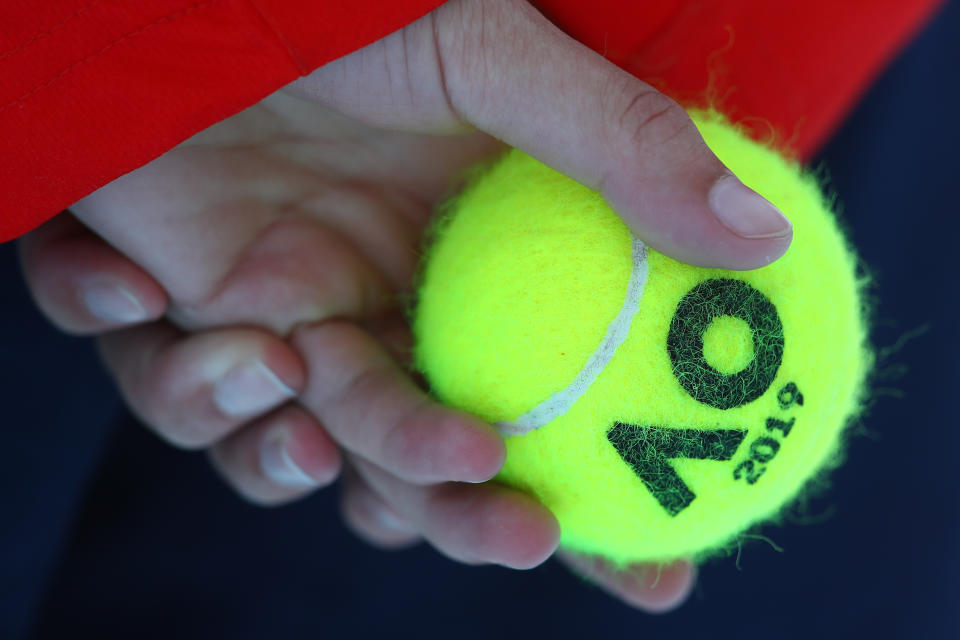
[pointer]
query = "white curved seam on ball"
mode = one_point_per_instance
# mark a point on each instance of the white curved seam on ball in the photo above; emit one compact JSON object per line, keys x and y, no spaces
{"x":618,"y":330}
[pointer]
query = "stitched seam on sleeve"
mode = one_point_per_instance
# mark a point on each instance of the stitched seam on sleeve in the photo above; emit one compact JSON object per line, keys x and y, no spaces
{"x":161,"y":20}
{"x":286,"y":44}
{"x":46,"y":34}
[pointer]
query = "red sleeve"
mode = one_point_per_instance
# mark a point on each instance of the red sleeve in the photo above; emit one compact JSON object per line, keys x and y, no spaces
{"x":790,"y":68}
{"x":92,"y":89}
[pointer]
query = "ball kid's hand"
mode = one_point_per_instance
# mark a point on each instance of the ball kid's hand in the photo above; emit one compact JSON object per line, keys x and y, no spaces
{"x":394,"y":490}
{"x":302,"y":217}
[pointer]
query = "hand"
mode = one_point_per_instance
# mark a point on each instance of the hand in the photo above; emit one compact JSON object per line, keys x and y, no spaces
{"x":301,"y":217}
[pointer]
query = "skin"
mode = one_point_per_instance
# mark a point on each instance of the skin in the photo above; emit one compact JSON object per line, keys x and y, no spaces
{"x":285,"y":239}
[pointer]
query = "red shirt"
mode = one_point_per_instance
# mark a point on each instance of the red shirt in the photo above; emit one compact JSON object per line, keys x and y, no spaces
{"x":92,"y":89}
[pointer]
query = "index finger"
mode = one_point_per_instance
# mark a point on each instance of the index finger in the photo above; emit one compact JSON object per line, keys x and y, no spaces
{"x":371,"y":407}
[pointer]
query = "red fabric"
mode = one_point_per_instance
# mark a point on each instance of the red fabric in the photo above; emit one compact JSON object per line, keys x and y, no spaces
{"x":92,"y":89}
{"x":793,"y":68}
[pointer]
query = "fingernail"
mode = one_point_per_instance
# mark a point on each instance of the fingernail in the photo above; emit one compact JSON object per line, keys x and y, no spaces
{"x":276,"y":463}
{"x":745,"y":212}
{"x":250,"y":388}
{"x":113,"y":303}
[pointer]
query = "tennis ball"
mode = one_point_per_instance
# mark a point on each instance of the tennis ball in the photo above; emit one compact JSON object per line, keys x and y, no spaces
{"x":658,"y":409}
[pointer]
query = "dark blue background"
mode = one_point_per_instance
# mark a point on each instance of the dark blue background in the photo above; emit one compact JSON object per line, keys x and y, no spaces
{"x":106,"y":531}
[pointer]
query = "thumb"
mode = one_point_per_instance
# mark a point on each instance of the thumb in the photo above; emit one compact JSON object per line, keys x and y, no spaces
{"x":502,"y":67}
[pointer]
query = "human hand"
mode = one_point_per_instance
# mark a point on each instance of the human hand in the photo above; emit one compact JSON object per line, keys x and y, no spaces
{"x":306,"y":211}
{"x":161,"y":367}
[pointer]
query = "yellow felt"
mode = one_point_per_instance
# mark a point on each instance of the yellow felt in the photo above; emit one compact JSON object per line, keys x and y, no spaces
{"x":521,"y":283}
{"x":728,"y":344}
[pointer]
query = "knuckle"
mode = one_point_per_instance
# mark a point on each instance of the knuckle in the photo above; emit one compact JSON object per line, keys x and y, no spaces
{"x":652,"y":119}
{"x":408,"y":442}
{"x":357,"y":404}
{"x":355,"y":382}
{"x":472,"y":46}
{"x":363,"y":389}
{"x":331,"y":340}
{"x":168,"y":416}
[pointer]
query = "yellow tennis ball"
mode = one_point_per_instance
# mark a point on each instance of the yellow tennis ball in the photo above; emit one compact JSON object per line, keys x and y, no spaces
{"x":658,"y":409}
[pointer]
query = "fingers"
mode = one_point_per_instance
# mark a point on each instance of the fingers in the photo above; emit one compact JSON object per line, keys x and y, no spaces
{"x":195,"y":389}
{"x":371,"y":407}
{"x":370,"y":518}
{"x":502,"y":67}
{"x":278,"y":458}
{"x":473,"y":524}
{"x":492,"y":524}
{"x":650,"y":587}
{"x":230,"y":391}
{"x":82,"y":284}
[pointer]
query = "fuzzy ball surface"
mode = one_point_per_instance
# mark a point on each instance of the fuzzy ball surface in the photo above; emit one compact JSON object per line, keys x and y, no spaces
{"x":658,"y":409}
